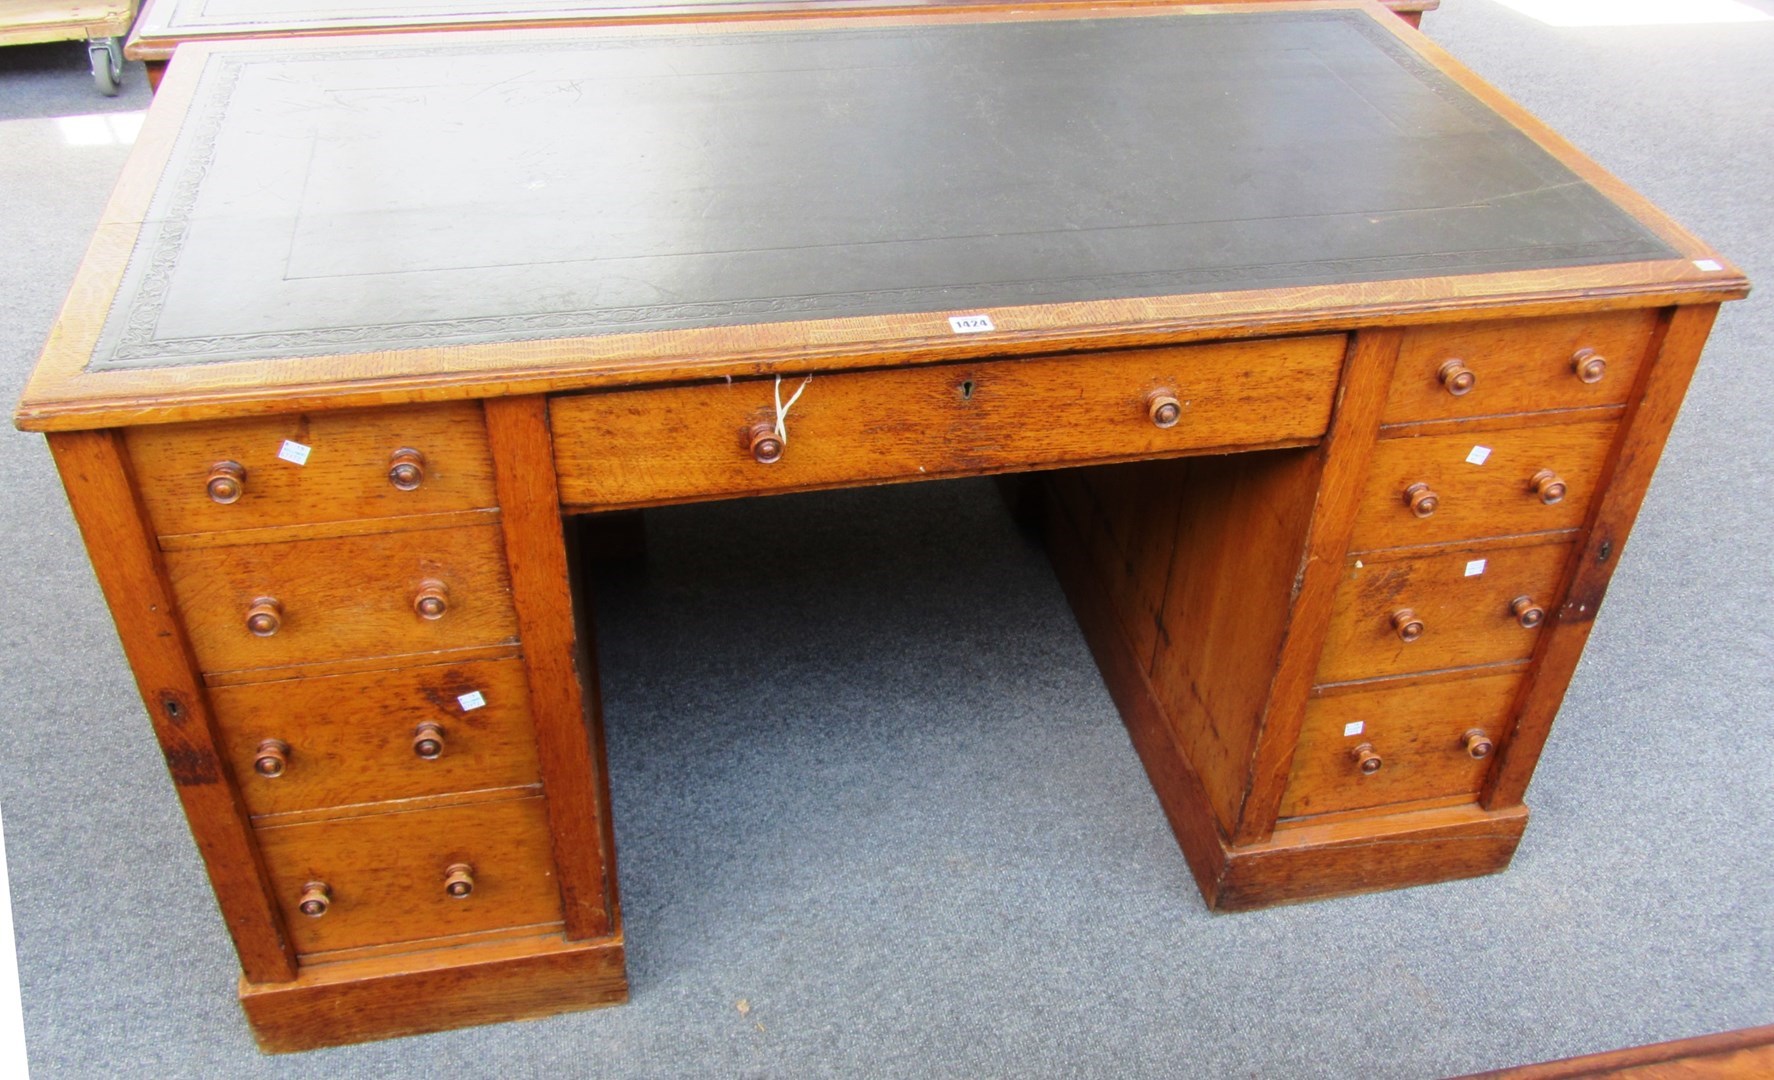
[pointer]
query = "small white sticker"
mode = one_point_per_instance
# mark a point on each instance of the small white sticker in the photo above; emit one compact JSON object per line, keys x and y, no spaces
{"x":1475,"y":568}
{"x":1354,"y":728}
{"x":1479,"y":455}
{"x":970,"y":324}
{"x":294,"y":452}
{"x":1708,"y":264}
{"x":471,"y":701}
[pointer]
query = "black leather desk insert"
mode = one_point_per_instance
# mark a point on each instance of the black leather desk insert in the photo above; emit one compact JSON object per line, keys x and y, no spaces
{"x":381,"y":195}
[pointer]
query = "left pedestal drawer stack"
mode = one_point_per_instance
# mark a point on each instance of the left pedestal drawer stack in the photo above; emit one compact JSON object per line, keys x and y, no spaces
{"x":342,"y":581}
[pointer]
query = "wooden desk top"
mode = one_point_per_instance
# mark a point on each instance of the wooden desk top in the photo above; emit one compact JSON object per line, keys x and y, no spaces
{"x":167,"y":24}
{"x":437,"y":216}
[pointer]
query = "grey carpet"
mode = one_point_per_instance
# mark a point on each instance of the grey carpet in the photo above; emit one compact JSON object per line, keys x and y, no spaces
{"x":868,"y":782}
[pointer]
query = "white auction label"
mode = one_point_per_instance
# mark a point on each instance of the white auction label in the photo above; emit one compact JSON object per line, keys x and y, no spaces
{"x":1354,"y":728}
{"x":1475,"y":568}
{"x":1479,"y":455}
{"x":1708,"y":264}
{"x":294,"y":452}
{"x":970,"y":324}
{"x":471,"y":701}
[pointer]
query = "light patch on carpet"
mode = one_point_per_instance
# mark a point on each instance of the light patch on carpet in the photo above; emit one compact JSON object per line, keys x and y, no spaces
{"x":100,"y":129}
{"x":1636,"y":12}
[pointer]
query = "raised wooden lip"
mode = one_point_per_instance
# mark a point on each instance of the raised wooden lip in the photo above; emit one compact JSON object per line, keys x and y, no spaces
{"x":154,"y":38}
{"x":62,"y":395}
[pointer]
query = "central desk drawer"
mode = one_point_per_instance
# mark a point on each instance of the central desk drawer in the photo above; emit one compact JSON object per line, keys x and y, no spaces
{"x":635,"y":447}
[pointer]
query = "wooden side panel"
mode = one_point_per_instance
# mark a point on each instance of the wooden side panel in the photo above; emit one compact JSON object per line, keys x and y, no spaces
{"x":114,"y":524}
{"x":1240,"y":534}
{"x":1645,"y":431}
{"x":563,"y":694}
{"x":413,"y":993}
{"x":1129,"y":516}
{"x":1178,"y":787}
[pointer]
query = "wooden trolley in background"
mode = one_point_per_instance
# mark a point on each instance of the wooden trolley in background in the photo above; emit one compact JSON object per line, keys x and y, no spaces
{"x":102,"y":24}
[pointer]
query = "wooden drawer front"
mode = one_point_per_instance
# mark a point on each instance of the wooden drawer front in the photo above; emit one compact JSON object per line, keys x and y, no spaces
{"x":344,"y":598}
{"x":1524,"y":365}
{"x":385,"y":874}
{"x":627,"y":448}
{"x":350,"y":739}
{"x":346,"y":476}
{"x":1466,"y":618}
{"x":1496,"y":498}
{"x":1419,"y":733}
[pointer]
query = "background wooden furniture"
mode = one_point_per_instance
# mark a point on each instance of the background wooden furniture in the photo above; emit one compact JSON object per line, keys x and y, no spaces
{"x":1339,"y":528}
{"x":100,"y":23}
{"x":1728,"y":1055}
{"x":167,"y":24}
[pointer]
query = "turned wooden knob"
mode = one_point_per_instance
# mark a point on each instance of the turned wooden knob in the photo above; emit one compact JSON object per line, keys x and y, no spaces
{"x":1408,"y":626}
{"x":459,"y":881}
{"x":1164,"y":409}
{"x":273,"y":758}
{"x":1548,"y":486}
{"x":1526,"y":612}
{"x":406,"y":469}
{"x":1421,"y":500}
{"x":265,"y":617}
{"x":1589,"y":365}
{"x":428,"y":740}
{"x":317,"y":896}
{"x":1457,"y":378}
{"x":1478,"y":745}
{"x":1366,"y":759}
{"x":227,"y":482}
{"x":432,"y":600}
{"x":763,"y":442}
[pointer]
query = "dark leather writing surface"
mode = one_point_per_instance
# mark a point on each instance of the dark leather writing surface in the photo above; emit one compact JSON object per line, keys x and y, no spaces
{"x":381,"y":195}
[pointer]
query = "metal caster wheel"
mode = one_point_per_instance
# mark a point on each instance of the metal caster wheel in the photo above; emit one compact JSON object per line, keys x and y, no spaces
{"x":107,"y":64}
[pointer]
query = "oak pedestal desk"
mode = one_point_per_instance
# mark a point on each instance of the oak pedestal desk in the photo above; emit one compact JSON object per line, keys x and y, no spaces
{"x":1341,"y":380}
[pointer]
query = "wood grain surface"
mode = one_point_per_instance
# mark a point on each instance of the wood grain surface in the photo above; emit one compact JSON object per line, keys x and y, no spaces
{"x":344,"y":598}
{"x":386,"y":873}
{"x":559,"y":665}
{"x":677,"y":443}
{"x":1495,"y":498}
{"x":1662,"y":385}
{"x":1417,"y":730}
{"x":1520,"y":365}
{"x":345,"y":478}
{"x":350,"y":737}
{"x":1466,"y":617}
{"x":413,"y":993}
{"x":95,"y":471}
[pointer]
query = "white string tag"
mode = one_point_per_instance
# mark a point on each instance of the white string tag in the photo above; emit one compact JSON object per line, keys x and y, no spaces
{"x":782,"y":410}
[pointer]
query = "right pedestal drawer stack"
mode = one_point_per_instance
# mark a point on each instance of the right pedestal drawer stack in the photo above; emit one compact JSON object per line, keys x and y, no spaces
{"x":1495,"y":439}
